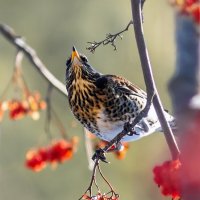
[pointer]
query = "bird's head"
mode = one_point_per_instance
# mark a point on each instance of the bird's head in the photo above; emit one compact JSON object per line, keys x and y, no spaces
{"x":78,"y":68}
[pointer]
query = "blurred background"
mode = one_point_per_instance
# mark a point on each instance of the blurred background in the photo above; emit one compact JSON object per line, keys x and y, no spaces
{"x":51,"y":28}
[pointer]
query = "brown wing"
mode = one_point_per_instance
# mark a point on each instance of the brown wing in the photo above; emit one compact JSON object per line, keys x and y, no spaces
{"x":120,"y":85}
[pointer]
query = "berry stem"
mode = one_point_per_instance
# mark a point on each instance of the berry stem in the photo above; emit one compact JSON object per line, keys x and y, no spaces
{"x":30,"y":53}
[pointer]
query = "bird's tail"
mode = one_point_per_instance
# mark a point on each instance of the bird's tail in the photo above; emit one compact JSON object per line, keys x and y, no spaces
{"x":172,"y":122}
{"x":152,"y":124}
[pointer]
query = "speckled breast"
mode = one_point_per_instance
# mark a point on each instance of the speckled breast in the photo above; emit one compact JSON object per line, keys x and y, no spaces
{"x":86,"y":103}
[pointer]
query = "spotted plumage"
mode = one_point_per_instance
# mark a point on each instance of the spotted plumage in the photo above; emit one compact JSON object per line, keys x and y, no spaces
{"x":103,"y":103}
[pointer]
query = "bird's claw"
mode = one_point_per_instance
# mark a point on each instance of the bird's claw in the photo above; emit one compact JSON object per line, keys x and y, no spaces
{"x":100,"y":155}
{"x":129,"y":129}
{"x":133,"y":132}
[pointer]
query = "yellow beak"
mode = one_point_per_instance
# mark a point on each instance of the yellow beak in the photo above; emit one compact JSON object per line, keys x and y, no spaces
{"x":74,"y":54}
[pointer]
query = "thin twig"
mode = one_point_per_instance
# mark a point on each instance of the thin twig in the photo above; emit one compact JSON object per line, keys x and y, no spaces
{"x":59,"y":124}
{"x":104,"y":178}
{"x":107,"y":182}
{"x":89,"y":189}
{"x":110,"y":39}
{"x":148,"y":76}
{"x":18,"y":77}
{"x":48,"y":112}
{"x":3,"y":94}
{"x":20,"y":44}
{"x":93,"y":181}
{"x":52,"y":117}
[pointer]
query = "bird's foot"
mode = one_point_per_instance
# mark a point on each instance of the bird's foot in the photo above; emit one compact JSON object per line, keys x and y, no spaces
{"x":143,"y":125}
{"x":129,"y":129}
{"x":100,"y":155}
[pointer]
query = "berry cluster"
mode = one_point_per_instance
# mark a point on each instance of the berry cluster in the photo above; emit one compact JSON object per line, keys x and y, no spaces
{"x":31,"y":105}
{"x":58,"y":152}
{"x":100,"y":196}
{"x":188,"y":7}
{"x":167,"y":176}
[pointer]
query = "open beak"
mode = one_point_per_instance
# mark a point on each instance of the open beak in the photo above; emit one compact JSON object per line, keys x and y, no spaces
{"x":74,"y":54}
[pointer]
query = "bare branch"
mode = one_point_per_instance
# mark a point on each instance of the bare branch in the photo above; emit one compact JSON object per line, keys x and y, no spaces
{"x":152,"y":94}
{"x":21,"y":45}
{"x":111,"y":194}
{"x":110,"y":39}
{"x":93,"y":179}
{"x":148,"y":76}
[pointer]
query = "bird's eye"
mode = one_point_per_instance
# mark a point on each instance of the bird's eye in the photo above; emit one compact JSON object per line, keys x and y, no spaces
{"x":84,"y":58}
{"x":68,"y":61}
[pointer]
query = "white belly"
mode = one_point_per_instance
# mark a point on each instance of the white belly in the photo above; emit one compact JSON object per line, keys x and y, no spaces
{"x":109,"y":130}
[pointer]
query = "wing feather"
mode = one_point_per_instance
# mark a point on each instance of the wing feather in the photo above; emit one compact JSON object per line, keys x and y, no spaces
{"x":120,"y":86}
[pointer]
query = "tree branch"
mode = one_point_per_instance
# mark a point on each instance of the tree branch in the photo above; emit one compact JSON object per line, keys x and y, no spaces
{"x":148,"y":76}
{"x":110,"y":39}
{"x":20,"y":44}
{"x":152,"y":94}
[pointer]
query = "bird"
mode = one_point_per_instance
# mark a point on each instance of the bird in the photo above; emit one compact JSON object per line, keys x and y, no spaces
{"x":104,"y":103}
